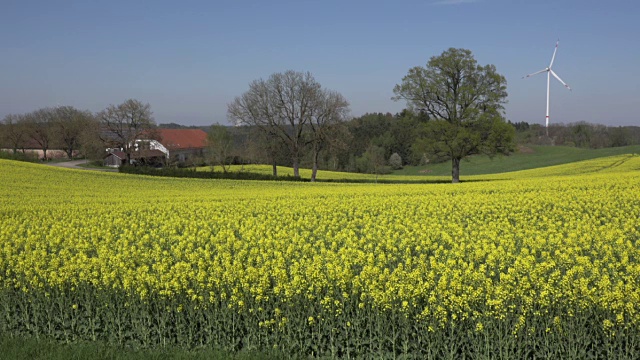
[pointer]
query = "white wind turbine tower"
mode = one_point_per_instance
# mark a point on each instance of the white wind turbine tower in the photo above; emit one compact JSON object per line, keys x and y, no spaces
{"x":549,"y":72}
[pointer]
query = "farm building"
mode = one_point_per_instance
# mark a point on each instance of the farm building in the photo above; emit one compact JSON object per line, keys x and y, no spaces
{"x":174,"y":145}
{"x":116,"y":158}
{"x":183,"y":144}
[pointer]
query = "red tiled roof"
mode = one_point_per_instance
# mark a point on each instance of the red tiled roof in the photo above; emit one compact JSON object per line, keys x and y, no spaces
{"x":174,"y":139}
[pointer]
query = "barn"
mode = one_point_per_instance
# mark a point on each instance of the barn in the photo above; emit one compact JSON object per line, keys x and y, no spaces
{"x":114,"y":158}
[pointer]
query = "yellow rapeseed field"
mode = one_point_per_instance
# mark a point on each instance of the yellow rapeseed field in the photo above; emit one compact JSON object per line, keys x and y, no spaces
{"x":505,"y":262}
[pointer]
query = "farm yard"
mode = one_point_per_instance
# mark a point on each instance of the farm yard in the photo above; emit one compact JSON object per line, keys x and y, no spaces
{"x":528,"y":264}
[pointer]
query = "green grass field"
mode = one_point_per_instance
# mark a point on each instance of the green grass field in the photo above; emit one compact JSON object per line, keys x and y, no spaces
{"x":20,"y":348}
{"x":530,"y":158}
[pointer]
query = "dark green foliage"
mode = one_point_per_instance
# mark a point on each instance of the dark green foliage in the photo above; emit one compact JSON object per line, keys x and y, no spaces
{"x":579,"y":134}
{"x":31,"y":348}
{"x":373,"y":161}
{"x":463,"y":101}
{"x":392,"y":133}
{"x":191,"y":173}
{"x":104,"y":321}
{"x":19,"y":156}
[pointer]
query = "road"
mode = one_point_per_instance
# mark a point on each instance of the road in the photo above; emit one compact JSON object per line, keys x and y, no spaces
{"x":74,"y":164}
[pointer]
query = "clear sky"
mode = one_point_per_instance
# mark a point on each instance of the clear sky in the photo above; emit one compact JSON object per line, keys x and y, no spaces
{"x":189,"y":59}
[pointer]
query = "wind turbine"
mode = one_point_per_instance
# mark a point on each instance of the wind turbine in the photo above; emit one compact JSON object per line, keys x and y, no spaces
{"x":549,"y":72}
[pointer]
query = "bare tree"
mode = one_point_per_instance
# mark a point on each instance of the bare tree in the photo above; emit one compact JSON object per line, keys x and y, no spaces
{"x":14,"y":131}
{"x":39,"y":125}
{"x":220,"y":144}
{"x":69,"y":123}
{"x":91,"y":145}
{"x":282,"y":107}
{"x":327,"y":116}
{"x":263,"y":147}
{"x":126,"y":123}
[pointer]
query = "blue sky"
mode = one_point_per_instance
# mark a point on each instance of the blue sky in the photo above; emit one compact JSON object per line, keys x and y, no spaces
{"x":189,"y":59}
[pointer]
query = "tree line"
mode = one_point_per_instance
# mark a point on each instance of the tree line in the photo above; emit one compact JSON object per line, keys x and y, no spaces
{"x":580,"y":134}
{"x":454,"y":109}
{"x":80,"y":133}
{"x":63,"y":127}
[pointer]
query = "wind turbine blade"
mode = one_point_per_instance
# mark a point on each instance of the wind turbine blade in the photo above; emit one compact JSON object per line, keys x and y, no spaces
{"x":535,"y":73}
{"x":554,"y":54}
{"x":558,"y":77}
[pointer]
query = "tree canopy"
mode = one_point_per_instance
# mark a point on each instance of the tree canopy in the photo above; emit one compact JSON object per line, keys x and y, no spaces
{"x":463,"y":102}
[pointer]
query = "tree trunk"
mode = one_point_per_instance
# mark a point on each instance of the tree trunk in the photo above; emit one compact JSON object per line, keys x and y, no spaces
{"x":314,"y":170}
{"x":455,"y":170}
{"x":296,"y":167}
{"x":44,"y":151}
{"x":275,"y":169}
{"x":70,"y":153}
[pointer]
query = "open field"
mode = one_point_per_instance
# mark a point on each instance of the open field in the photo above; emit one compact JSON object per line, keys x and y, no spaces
{"x":532,"y":157}
{"x":535,"y":263}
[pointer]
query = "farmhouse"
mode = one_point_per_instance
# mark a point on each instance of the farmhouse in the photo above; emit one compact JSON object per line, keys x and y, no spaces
{"x":165,"y":146}
{"x":183,"y":144}
{"x":116,"y":158}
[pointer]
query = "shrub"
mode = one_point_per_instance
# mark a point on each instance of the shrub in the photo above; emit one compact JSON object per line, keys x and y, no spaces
{"x":395,"y":161}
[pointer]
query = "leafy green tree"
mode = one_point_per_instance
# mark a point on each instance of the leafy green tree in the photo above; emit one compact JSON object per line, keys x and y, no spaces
{"x":373,"y":161}
{"x":365,"y":129}
{"x":405,"y":129}
{"x":620,"y":136}
{"x":463,"y":101}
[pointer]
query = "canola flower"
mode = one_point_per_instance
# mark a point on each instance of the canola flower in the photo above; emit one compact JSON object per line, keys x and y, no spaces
{"x":298,"y":265}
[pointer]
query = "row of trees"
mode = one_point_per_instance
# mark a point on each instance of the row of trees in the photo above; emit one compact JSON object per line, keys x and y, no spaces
{"x":454,"y":110}
{"x":460,"y":105}
{"x":78,"y":132}
{"x":63,"y":127}
{"x":580,"y":134}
